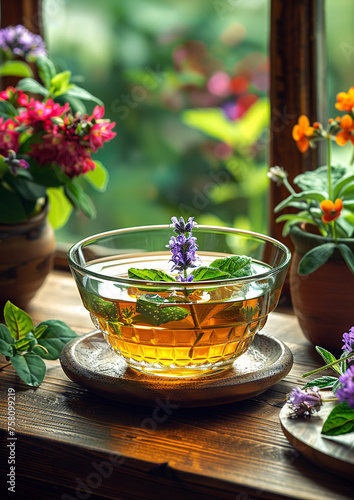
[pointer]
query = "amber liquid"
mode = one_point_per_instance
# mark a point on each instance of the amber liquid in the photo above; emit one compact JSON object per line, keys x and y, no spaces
{"x":208,"y":335}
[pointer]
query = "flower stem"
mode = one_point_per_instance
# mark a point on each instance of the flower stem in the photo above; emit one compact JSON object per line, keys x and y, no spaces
{"x":329,"y":168}
{"x":350,"y":355}
{"x":289,"y":186}
{"x":334,"y":228}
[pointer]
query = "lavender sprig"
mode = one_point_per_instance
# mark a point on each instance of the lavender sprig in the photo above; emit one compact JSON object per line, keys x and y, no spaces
{"x":305,"y":402}
{"x":183,"y":247}
{"x":346,"y":390}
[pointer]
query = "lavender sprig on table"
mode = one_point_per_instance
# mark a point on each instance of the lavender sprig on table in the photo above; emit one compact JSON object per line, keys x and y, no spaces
{"x":304,"y":403}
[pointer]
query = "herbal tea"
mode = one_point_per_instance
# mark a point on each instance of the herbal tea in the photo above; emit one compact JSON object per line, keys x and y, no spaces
{"x":181,"y":332}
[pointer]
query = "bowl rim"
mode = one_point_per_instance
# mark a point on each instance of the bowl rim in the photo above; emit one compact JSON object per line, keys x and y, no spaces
{"x":168,"y":284}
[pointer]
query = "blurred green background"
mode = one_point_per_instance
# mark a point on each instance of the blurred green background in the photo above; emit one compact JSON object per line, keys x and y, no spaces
{"x":186,"y":83}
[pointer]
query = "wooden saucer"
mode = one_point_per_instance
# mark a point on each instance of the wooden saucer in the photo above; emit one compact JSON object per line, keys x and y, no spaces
{"x":91,"y":363}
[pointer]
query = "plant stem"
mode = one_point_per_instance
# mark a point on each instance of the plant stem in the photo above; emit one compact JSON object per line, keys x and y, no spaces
{"x":350,"y":355}
{"x":334,"y":228}
{"x":330,"y":399}
{"x":289,"y":186}
{"x":329,"y":168}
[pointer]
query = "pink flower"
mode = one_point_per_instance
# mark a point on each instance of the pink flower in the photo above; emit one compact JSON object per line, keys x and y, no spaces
{"x":8,"y":136}
{"x":41,"y":112}
{"x":100,"y":133}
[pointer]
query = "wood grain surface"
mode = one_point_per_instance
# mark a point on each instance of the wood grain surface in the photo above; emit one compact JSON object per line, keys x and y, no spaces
{"x":72,"y":444}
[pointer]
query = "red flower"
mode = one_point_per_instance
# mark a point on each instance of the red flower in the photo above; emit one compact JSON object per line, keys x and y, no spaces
{"x":8,"y":136}
{"x":331,"y":210}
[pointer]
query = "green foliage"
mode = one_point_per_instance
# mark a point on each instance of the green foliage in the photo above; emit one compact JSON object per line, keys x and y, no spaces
{"x":209,"y":273}
{"x":322,"y":382}
{"x":26,"y":345}
{"x":151,"y":310}
{"x":237,"y":266}
{"x":329,"y":358}
{"x":339,"y":421}
{"x":98,"y":178}
{"x":315,"y":258}
{"x":16,"y":68}
{"x":149,"y":275}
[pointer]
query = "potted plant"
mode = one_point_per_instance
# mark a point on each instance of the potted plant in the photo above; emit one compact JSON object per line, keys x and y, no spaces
{"x":46,"y":143}
{"x":322,"y":270}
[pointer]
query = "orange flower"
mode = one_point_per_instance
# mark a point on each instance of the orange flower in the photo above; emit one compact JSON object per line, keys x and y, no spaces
{"x":301,"y":132}
{"x":345,"y":100}
{"x":331,"y":210}
{"x":347,"y":126}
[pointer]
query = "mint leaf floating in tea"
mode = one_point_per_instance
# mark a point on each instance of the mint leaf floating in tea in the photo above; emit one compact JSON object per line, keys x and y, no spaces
{"x":25,"y":345}
{"x":238,"y":266}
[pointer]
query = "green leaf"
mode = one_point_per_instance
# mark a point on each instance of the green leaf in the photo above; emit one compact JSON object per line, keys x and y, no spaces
{"x":98,"y":178}
{"x":344,"y":182}
{"x":7,"y":110}
{"x":79,"y":198}
{"x":304,"y":196}
{"x":6,"y":340}
{"x":209,"y":273}
{"x":317,"y":180}
{"x":53,"y":338}
{"x":237,"y":266}
{"x":149,"y":274}
{"x":315,"y":258}
{"x":347,"y":255}
{"x":18,"y":321}
{"x":26,"y":343}
{"x":15,"y":68}
{"x":150,"y":306}
{"x":329,"y":358}
{"x":339,"y":421}
{"x":59,"y":207}
{"x":60,"y":83}
{"x":17,"y":213}
{"x":46,"y":70}
{"x":83,"y":94}
{"x":30,"y":85}
{"x":30,"y":367}
{"x":322,"y":382}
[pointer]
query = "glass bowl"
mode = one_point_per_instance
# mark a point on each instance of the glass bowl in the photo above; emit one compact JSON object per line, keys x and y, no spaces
{"x":177,"y":329}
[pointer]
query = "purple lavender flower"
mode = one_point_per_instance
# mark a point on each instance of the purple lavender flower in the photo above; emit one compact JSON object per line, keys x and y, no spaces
{"x":181,"y":227}
{"x":189,"y":278}
{"x":305,"y":402}
{"x":346,"y":391}
{"x":21,"y":42}
{"x":348,"y":339}
{"x":183,"y":252}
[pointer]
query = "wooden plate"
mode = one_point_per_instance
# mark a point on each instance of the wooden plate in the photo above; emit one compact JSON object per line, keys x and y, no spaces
{"x":91,"y":363}
{"x":334,"y":453}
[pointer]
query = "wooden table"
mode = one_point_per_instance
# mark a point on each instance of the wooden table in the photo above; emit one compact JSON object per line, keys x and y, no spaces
{"x":74,"y":445}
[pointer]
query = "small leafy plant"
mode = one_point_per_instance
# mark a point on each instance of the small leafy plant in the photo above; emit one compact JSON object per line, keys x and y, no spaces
{"x":326,"y":196}
{"x":25,"y":345}
{"x":307,"y":401}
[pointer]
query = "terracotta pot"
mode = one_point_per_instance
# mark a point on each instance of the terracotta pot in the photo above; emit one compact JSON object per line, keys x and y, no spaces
{"x":323,"y":301}
{"x":26,"y":257}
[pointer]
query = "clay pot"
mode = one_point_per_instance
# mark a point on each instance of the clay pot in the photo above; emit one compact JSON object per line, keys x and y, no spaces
{"x":26,"y":257}
{"x":323,"y":300}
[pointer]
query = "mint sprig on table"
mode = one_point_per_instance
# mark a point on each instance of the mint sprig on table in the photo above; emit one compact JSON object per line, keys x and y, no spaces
{"x":25,"y":345}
